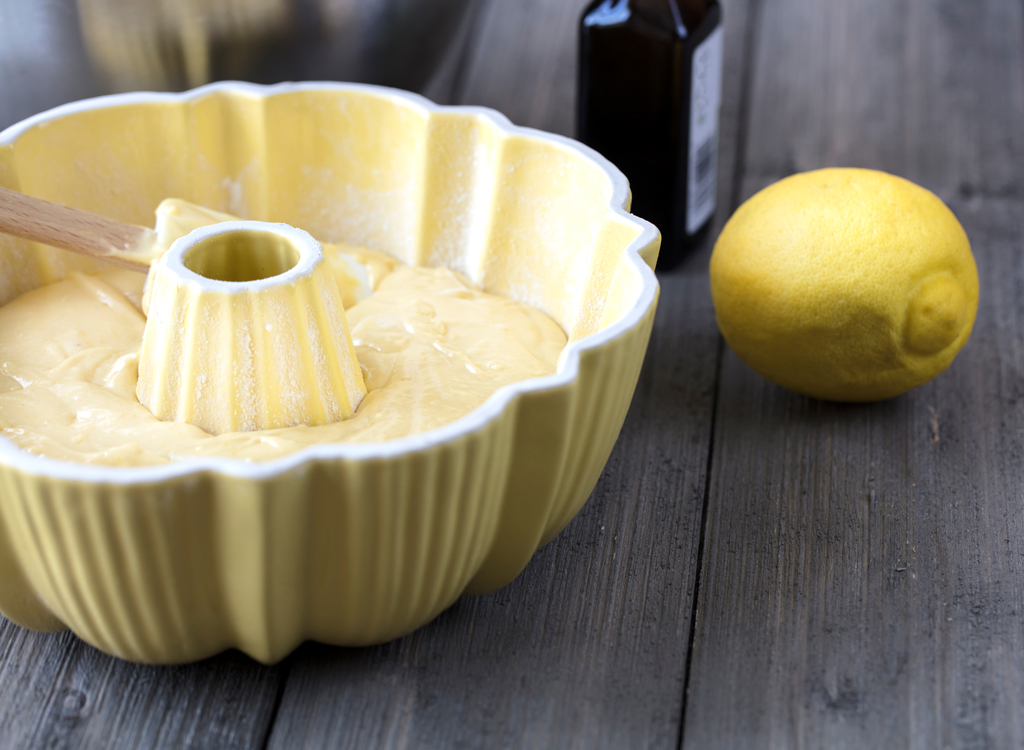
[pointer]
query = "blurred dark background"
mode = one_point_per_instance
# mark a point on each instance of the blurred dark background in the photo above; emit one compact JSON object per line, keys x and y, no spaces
{"x":55,"y":51}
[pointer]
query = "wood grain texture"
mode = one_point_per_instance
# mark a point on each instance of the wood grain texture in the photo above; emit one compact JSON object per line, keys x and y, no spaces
{"x":587,"y":647}
{"x":523,"y":63}
{"x":862,"y":581}
{"x":445,"y":85}
{"x":58,"y":692}
{"x":38,"y":220}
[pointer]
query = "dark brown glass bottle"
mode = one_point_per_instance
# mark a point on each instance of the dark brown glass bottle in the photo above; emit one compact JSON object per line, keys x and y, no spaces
{"x":650,"y":75}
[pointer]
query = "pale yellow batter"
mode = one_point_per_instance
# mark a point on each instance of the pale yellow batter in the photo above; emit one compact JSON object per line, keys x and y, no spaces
{"x":432,"y":348}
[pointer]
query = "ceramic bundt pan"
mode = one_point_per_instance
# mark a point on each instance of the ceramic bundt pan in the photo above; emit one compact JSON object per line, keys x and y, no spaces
{"x":345,"y":543}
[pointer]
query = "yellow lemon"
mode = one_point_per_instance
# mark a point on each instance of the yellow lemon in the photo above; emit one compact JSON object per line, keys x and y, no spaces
{"x":845,"y":284}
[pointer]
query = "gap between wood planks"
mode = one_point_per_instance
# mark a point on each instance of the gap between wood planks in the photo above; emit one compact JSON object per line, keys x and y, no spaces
{"x":733,"y":194}
{"x":861,"y":583}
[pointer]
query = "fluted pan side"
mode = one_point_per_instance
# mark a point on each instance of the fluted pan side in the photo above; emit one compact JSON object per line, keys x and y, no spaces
{"x":178,"y":573}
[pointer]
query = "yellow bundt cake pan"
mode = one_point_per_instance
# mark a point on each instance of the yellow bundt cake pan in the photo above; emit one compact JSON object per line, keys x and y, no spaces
{"x":345,"y":544}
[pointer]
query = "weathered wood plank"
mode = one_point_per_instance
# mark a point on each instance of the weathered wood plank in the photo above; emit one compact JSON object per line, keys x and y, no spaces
{"x":446,"y":83}
{"x":587,"y":647}
{"x":56,"y":691}
{"x":862,"y":580}
{"x":523,"y":63}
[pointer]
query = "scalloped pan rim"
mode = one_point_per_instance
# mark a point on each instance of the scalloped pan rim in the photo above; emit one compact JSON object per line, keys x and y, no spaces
{"x":491,"y":409}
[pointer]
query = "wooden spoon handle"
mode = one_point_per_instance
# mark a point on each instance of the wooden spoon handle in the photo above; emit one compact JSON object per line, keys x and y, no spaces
{"x":34,"y":219}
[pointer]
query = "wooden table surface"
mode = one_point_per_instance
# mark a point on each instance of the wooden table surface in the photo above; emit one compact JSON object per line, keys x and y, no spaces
{"x":755,"y":569}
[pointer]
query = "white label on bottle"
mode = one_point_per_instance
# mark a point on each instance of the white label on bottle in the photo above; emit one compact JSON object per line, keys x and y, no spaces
{"x":705,"y":100}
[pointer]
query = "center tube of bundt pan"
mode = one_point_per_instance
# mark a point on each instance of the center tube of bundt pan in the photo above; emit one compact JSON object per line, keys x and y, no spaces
{"x":246,"y":331}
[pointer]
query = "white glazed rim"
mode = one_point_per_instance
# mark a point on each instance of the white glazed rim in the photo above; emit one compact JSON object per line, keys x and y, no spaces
{"x":490,"y":410}
{"x":310,"y":254}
